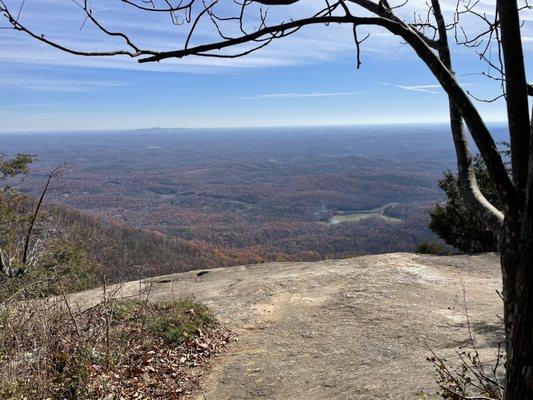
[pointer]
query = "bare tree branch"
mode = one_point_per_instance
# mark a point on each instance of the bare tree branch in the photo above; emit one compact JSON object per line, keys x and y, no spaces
{"x":56,"y":171}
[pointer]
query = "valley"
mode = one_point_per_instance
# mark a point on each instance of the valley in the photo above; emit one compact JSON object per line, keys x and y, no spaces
{"x":252,"y":195}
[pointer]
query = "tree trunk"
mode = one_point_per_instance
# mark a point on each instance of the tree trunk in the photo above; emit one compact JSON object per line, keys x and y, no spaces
{"x":517,"y":276}
{"x":517,"y":272}
{"x":519,"y":367}
{"x":516,"y":90}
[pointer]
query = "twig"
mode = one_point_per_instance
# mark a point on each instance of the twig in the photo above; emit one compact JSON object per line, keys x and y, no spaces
{"x":63,"y":295}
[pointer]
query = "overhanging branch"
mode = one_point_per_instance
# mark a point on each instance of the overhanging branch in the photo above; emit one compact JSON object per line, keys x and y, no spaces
{"x":275,"y":29}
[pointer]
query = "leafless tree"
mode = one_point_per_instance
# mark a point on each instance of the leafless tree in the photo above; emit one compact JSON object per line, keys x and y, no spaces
{"x":29,"y":250}
{"x":244,"y":26}
{"x":25,"y":253}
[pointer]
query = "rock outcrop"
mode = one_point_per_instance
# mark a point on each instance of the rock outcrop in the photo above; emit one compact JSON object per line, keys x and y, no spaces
{"x":342,"y":329}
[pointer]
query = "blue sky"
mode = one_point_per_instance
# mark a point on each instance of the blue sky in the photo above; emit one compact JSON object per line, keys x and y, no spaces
{"x":307,"y":79}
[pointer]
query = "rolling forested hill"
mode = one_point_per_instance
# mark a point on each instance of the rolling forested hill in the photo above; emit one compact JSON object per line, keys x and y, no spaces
{"x":184,"y":199}
{"x":125,"y":252}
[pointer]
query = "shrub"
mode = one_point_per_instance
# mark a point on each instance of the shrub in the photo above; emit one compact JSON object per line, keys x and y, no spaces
{"x":179,"y":322}
{"x":430,"y":248}
{"x":470,"y":378}
{"x":124,"y":348}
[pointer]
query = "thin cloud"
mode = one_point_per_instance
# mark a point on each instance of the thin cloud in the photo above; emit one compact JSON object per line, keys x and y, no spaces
{"x":32,"y":105}
{"x":300,"y":95}
{"x":56,"y":85}
{"x":431,"y":89}
{"x":421,"y":88}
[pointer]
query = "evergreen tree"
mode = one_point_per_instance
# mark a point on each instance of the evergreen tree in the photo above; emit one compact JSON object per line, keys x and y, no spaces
{"x":455,"y":223}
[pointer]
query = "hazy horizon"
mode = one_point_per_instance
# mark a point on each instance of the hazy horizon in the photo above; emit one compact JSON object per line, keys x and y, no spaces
{"x":495,"y":123}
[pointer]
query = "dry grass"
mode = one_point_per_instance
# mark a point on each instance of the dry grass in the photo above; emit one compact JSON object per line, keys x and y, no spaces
{"x":116,"y":349}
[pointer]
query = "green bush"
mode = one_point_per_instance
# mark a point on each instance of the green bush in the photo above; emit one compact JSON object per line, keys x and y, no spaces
{"x":430,"y":248}
{"x":179,"y":321}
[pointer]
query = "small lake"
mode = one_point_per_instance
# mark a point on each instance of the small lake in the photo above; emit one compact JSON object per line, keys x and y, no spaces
{"x":356,"y":216}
